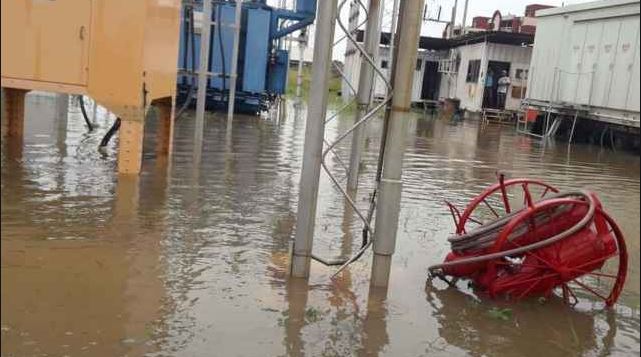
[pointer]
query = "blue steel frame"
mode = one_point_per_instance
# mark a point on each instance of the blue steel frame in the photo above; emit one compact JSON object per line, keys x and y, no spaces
{"x":259,"y":55}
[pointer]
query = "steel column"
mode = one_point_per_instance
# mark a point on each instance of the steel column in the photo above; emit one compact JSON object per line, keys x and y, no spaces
{"x":302,"y":43}
{"x":314,"y":134}
{"x":392,"y":38}
{"x":205,"y":38}
{"x":365,"y":87}
{"x":234,"y":65}
{"x":390,"y":187}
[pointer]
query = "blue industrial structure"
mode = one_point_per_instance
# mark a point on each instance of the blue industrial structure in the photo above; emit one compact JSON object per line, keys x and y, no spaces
{"x":262,"y":65}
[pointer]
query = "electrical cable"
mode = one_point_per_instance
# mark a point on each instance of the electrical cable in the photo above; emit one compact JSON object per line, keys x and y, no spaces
{"x":114,"y":128}
{"x":81,"y":101}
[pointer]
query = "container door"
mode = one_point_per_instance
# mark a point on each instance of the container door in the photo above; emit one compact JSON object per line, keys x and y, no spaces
{"x":623,"y":63}
{"x":46,"y":40}
{"x":589,"y":63}
{"x":570,"y":73}
{"x":603,"y":76}
{"x":633,"y":92}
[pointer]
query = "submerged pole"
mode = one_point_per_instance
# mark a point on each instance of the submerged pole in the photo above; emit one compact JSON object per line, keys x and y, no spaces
{"x":203,"y":74}
{"x":365,"y":87}
{"x":302,"y":43}
{"x":314,"y":134}
{"x":390,"y":187}
{"x":234,"y":66}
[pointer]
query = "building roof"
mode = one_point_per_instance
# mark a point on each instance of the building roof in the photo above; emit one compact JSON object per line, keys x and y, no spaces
{"x":435,"y":43}
{"x":584,"y":6}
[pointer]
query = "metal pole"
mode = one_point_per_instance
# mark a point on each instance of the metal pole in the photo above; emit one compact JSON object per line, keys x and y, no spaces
{"x":302,"y":43}
{"x":234,"y":66}
{"x":464,"y":17}
{"x":453,"y":21}
{"x":392,"y":37}
{"x":203,"y":71}
{"x":365,"y":86}
{"x":314,"y":134}
{"x":390,"y":186}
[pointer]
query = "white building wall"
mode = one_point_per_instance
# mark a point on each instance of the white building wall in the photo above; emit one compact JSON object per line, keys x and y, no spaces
{"x":588,"y":54}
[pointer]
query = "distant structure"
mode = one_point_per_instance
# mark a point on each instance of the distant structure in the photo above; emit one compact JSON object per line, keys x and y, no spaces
{"x":467,"y":66}
{"x":503,"y":23}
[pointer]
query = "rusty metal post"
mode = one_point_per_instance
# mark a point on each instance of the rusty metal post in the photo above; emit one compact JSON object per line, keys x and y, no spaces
{"x":13,"y":112}
{"x":390,"y":187}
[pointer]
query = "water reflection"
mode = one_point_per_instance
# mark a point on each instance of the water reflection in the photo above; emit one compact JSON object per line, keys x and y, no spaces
{"x":484,"y":328}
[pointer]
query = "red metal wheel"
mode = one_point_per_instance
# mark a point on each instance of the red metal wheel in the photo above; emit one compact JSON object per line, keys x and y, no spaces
{"x":586,"y":267}
{"x":499,"y":200}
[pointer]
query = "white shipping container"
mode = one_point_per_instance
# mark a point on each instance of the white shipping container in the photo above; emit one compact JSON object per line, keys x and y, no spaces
{"x":587,"y":55}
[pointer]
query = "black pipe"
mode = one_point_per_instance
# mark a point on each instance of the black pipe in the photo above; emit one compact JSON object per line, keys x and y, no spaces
{"x":114,"y":128}
{"x":81,"y":101}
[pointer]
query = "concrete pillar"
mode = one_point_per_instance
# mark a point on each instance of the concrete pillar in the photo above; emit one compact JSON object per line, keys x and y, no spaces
{"x":365,"y":87}
{"x":314,"y":134}
{"x":390,"y":187}
{"x":13,"y":112}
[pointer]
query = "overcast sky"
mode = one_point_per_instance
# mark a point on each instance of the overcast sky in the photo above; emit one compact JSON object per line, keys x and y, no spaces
{"x":476,"y":8}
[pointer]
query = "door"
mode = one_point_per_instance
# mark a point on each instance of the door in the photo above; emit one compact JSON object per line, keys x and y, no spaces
{"x":46,"y":40}
{"x":490,"y":96}
{"x":431,"y":81}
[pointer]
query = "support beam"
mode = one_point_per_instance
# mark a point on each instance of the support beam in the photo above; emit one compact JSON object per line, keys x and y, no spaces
{"x":364,"y":92}
{"x":302,"y":44}
{"x":13,"y":112}
{"x":390,"y":187}
{"x":453,"y":21}
{"x":314,"y":134}
{"x":234,"y":65}
{"x":165,"y":112}
{"x":467,"y":3}
{"x":205,"y":39}
{"x":130,"y":144}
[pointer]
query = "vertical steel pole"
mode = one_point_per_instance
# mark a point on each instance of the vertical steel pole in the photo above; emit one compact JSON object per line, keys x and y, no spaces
{"x":467,"y":3}
{"x":302,"y":43}
{"x":203,"y":74}
{"x":387,"y":212}
{"x":234,"y":65}
{"x":314,"y":135}
{"x":453,"y":21}
{"x":392,"y":37}
{"x":365,"y":87}
{"x":350,"y":50}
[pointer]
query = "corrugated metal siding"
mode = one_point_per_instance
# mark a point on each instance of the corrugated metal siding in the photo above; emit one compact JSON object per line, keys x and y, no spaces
{"x":588,"y":57}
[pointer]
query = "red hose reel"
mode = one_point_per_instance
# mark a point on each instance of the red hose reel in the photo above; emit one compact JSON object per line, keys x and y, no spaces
{"x":562,"y":243}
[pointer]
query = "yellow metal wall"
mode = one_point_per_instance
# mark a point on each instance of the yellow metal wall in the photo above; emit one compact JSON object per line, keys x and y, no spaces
{"x":107,"y":49}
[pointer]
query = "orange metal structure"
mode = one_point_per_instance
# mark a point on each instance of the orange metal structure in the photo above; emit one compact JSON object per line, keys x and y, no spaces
{"x":122,"y":53}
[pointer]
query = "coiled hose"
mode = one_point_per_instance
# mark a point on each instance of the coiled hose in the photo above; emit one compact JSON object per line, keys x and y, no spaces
{"x":585,"y":221}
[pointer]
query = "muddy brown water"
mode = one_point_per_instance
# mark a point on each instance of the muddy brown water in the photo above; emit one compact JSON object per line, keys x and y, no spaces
{"x":190,"y":259}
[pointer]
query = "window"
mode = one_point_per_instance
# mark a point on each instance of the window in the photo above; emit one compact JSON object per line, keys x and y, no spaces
{"x":522,"y":73}
{"x":473,"y":71}
{"x":419,"y":64}
{"x":384,"y":64}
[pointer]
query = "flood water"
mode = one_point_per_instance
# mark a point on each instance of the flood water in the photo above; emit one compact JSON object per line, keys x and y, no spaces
{"x":191,"y":258}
